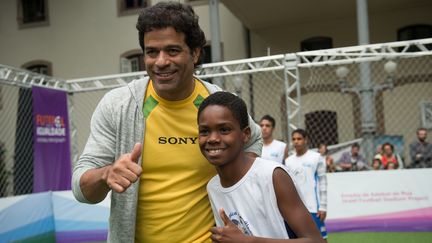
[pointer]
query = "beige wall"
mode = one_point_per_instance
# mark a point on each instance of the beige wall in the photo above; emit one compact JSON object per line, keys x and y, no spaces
{"x":383,"y":28}
{"x":86,"y":38}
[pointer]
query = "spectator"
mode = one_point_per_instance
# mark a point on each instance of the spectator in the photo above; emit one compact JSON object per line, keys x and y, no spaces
{"x":379,"y":151}
{"x":272,"y":149}
{"x":389,"y":157}
{"x":322,"y":149}
{"x":353,"y":160}
{"x":421,"y":151}
{"x":376,"y":164}
{"x":391,"y":166}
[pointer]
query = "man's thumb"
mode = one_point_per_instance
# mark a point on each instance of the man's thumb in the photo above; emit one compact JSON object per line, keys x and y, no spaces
{"x":136,"y":152}
{"x":224,"y":217}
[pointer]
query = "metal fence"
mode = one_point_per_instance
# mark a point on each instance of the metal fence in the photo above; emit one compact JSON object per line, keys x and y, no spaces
{"x":338,"y":95}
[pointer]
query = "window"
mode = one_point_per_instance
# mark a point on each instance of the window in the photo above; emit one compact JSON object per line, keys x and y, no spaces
{"x":316,"y":43}
{"x":129,"y":7}
{"x":322,"y":127}
{"x":39,"y":66}
{"x":413,"y":32}
{"x":426,"y":114}
{"x":207,"y":54}
{"x":32,"y":13}
{"x":132,"y":61}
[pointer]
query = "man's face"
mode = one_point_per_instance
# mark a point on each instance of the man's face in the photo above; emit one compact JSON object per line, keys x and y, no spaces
{"x":387,"y":150}
{"x":421,"y":135}
{"x":169,"y":63}
{"x":220,"y":137}
{"x":266,"y":128}
{"x":299,"y":142}
{"x":355,"y":151}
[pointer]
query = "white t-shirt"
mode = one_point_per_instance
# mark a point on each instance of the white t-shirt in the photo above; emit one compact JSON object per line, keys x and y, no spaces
{"x":274,"y":151}
{"x":308,"y":171}
{"x":251,"y":203}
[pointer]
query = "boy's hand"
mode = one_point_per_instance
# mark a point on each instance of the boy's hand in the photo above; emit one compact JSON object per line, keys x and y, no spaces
{"x":229,"y":233}
{"x":322,"y":215}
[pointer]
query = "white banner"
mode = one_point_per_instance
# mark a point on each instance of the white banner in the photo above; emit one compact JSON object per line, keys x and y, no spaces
{"x":391,"y":200}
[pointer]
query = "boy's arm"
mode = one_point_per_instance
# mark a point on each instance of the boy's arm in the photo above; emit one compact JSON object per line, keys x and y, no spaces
{"x":293,"y":210}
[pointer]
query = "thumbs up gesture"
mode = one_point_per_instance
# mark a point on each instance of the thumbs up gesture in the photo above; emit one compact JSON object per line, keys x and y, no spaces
{"x":229,"y":233}
{"x":124,"y":171}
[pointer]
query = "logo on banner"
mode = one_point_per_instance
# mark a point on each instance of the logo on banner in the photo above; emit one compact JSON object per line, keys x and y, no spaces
{"x":50,"y":128}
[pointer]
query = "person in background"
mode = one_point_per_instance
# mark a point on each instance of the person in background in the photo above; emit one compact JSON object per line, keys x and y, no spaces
{"x":390,"y":157}
{"x":272,"y":149}
{"x":391,"y":166}
{"x":309,"y":171}
{"x":251,"y":198}
{"x":330,"y":166}
{"x":143,"y":142}
{"x":376,"y":164}
{"x":379,"y":151}
{"x":353,"y":160}
{"x":421,"y":150}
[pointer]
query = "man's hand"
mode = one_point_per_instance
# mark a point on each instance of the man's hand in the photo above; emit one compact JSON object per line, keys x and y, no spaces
{"x":322,"y":215}
{"x":229,"y":233}
{"x":124,"y":171}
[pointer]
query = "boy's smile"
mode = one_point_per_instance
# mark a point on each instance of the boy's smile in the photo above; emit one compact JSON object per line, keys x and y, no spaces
{"x":220,"y":137}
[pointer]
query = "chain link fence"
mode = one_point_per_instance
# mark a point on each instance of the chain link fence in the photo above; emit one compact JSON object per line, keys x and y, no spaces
{"x":331,"y":105}
{"x":327,"y":100}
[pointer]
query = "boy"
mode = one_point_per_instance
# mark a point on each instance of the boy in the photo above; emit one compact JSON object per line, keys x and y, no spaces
{"x":309,"y":170}
{"x":257,"y":195}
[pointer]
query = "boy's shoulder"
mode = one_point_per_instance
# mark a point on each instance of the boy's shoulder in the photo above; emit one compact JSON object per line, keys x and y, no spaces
{"x":265,"y":167}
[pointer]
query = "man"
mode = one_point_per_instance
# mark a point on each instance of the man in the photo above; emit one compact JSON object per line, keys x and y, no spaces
{"x":309,"y":172}
{"x":272,"y":149}
{"x":421,"y":150}
{"x":353,"y":161}
{"x":159,"y":194}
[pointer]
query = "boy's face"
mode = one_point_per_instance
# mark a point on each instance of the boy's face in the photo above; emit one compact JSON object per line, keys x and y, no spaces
{"x":220,"y":138}
{"x":299,"y":142}
{"x":266,"y":128}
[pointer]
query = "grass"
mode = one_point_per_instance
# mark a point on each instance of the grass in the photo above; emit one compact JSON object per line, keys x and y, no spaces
{"x":380,"y":237}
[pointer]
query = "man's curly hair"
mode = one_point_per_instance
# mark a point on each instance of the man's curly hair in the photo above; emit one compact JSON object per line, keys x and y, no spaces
{"x":172,"y":14}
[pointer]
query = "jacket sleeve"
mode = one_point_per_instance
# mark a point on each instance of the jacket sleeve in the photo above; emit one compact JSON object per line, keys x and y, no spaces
{"x":99,"y":150}
{"x":255,"y":143}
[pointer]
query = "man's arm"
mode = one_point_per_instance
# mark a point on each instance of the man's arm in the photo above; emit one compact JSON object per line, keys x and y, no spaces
{"x":322,"y":187}
{"x":96,"y":183}
{"x":413,"y":152}
{"x":285,"y":154}
{"x":96,"y":172}
{"x":344,"y":161}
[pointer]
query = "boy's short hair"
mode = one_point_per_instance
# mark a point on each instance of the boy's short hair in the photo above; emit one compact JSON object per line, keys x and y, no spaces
{"x":235,"y":104}
{"x":269,"y":118}
{"x":300,"y":131}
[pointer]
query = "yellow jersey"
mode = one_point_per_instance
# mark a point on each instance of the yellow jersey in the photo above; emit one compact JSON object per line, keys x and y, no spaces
{"x":172,"y":203}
